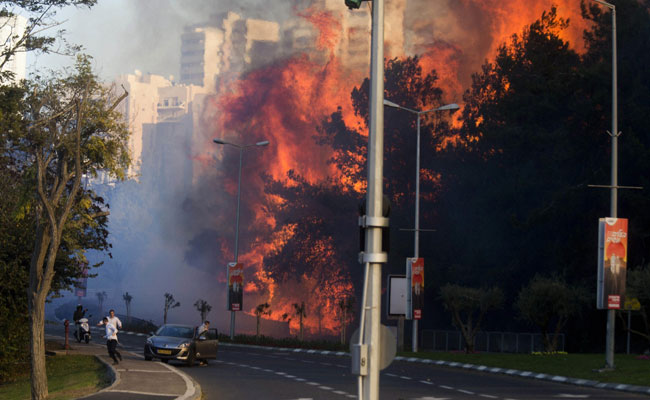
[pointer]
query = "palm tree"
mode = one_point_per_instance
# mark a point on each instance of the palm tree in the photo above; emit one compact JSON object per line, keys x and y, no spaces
{"x":127,"y":299}
{"x":169,"y":303}
{"x":261,"y":309}
{"x":203,"y":307}
{"x":101,"y":296}
{"x":345,"y":305}
{"x":301,"y":313}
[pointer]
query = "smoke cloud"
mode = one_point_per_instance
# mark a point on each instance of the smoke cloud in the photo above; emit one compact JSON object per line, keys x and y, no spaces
{"x":174,"y":232}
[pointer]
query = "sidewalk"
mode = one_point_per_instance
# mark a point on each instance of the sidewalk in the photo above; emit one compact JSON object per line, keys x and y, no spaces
{"x":134,"y":378}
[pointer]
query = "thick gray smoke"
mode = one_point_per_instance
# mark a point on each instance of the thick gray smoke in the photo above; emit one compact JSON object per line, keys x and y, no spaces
{"x":168,"y":241}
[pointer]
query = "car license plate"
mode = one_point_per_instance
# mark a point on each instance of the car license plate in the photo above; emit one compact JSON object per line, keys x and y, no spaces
{"x":164,"y":352}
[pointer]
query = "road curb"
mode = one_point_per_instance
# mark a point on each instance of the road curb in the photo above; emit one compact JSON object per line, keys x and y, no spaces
{"x":533,"y":375}
{"x":193,"y":388}
{"x":480,"y":368}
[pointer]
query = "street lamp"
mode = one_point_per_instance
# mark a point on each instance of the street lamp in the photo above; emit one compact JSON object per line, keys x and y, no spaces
{"x":611,"y":314}
{"x":448,"y":107}
{"x":241,"y":154}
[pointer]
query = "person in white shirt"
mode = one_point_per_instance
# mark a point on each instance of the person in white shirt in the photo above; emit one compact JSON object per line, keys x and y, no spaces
{"x":112,"y":318}
{"x":111,"y":341}
{"x":203,"y":328}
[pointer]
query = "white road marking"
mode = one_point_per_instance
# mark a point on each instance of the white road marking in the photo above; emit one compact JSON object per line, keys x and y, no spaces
{"x":432,"y":398}
{"x":144,"y":370}
{"x":143,"y":393}
{"x":325,"y":388}
{"x":342,"y":393}
{"x":465,"y":391}
{"x":572,"y":396}
{"x":447,"y":387}
{"x":405,"y":377}
{"x":313,"y":383}
{"x":488,"y":396}
{"x":393,"y":375}
{"x":427,"y":382}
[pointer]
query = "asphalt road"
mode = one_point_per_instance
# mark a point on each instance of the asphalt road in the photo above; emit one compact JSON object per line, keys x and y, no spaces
{"x":250,"y":373}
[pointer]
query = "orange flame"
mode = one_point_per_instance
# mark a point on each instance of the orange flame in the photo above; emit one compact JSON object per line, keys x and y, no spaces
{"x":285,"y":102}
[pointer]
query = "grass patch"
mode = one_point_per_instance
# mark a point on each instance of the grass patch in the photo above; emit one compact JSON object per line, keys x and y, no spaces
{"x":68,"y":377}
{"x":629,"y":369}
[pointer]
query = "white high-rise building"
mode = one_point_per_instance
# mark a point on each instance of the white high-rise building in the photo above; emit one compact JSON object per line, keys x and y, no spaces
{"x":225,"y":47}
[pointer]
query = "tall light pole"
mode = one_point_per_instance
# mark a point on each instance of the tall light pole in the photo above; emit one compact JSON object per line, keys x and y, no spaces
{"x":611,"y":314}
{"x":241,"y":154}
{"x":449,"y":107}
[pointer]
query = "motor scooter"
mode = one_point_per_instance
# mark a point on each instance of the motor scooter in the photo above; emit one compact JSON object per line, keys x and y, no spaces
{"x":83,"y":331}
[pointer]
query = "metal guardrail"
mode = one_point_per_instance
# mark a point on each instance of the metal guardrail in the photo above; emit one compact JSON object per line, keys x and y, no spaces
{"x":491,"y":342}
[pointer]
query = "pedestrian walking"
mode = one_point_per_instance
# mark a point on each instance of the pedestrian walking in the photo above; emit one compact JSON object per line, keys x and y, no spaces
{"x":111,"y":341}
{"x":113,"y":319}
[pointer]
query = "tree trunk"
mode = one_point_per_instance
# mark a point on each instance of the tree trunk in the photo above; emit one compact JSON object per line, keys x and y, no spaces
{"x":37,"y":346}
{"x":258,"y":327}
{"x":301,"y":327}
{"x":165,"y":317}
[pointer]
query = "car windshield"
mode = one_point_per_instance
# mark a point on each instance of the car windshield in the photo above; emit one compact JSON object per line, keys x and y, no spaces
{"x":176,"y":331}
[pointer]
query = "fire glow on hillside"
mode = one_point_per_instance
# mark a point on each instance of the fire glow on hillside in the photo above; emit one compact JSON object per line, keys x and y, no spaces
{"x":285,"y":102}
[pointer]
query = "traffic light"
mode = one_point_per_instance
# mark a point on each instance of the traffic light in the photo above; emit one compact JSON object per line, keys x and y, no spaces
{"x":353,"y":3}
{"x":385,"y":231}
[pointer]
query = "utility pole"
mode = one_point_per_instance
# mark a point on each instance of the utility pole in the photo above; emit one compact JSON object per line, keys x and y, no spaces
{"x":373,"y":256}
{"x":366,"y":357}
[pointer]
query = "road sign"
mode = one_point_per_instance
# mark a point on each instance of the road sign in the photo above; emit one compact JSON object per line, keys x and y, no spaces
{"x":397,"y":288}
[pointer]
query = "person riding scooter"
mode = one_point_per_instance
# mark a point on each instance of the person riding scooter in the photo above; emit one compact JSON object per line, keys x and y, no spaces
{"x":79,"y":313}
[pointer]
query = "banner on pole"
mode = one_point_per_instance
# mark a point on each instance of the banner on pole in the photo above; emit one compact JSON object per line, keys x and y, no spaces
{"x":415,"y":294}
{"x":612,"y":263}
{"x":235,"y":286}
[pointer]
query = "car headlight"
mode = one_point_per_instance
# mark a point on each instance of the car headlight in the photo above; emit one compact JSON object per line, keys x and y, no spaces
{"x":185,"y":345}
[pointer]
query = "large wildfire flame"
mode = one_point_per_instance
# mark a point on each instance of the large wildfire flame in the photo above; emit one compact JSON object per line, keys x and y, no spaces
{"x":285,"y":102}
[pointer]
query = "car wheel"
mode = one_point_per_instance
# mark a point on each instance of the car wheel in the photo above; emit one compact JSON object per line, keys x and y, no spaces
{"x":147,"y":358}
{"x":190,"y":358}
{"x":164,"y":360}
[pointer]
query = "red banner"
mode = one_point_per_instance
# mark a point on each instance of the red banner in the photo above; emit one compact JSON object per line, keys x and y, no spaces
{"x":612,"y":262}
{"x":235,"y":286}
{"x":416,"y":273}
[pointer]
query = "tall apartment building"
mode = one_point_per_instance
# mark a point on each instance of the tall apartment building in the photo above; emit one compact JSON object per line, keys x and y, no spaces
{"x":225,"y":47}
{"x":152,"y":100}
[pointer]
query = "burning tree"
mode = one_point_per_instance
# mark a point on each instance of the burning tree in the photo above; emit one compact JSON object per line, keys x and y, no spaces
{"x":127,"y":300}
{"x":261,"y":309}
{"x":345,"y":315}
{"x":300,"y":312}
{"x":203,"y":308}
{"x":169,"y":303}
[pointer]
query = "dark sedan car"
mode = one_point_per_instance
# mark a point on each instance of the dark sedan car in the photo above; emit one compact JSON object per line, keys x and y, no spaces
{"x":179,"y":342}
